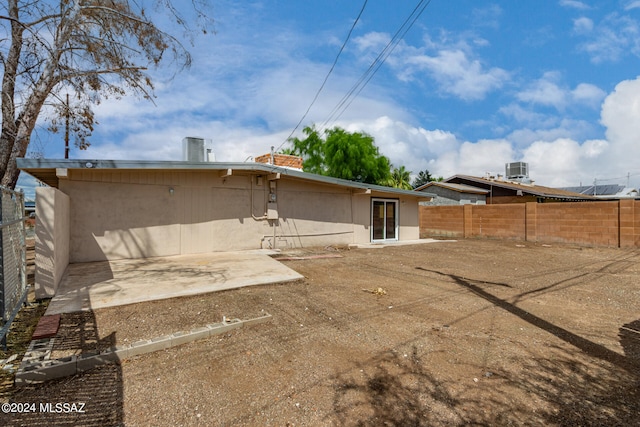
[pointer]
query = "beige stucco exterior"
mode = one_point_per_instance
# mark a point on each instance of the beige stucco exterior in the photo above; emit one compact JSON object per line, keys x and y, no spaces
{"x":110,"y":213}
{"x":52,"y":240}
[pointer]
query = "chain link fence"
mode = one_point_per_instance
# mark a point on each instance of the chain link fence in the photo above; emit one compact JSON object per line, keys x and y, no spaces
{"x":13,"y":258}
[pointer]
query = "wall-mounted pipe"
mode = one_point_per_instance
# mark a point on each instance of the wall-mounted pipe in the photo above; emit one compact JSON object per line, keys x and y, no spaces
{"x":257,"y":218}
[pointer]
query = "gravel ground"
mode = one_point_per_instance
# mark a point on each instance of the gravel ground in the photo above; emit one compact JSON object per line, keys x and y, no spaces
{"x":473,"y":332}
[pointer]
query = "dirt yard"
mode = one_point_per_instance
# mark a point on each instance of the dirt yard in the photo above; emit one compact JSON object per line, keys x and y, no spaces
{"x":472,"y":332}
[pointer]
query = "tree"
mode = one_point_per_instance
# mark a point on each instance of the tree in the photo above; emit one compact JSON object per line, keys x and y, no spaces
{"x":400,"y":178}
{"x":92,"y":49}
{"x":423,"y":178}
{"x":352,"y":156}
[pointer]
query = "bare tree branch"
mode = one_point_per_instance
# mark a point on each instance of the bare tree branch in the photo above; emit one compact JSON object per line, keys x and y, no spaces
{"x":95,"y":48}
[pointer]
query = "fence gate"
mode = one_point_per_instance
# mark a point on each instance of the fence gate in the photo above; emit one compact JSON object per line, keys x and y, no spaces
{"x":13,"y":258}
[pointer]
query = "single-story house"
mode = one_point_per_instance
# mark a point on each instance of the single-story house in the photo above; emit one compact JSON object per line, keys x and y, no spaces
{"x":453,"y":194}
{"x":96,"y":210}
{"x":501,"y":190}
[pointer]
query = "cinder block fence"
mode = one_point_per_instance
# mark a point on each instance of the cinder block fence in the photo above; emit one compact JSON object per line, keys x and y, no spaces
{"x":611,"y":223}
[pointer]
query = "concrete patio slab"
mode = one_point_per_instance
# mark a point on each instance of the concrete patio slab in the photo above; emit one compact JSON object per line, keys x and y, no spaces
{"x":89,"y":286}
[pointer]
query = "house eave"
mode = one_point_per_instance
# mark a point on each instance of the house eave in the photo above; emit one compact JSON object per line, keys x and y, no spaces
{"x":48,"y":171}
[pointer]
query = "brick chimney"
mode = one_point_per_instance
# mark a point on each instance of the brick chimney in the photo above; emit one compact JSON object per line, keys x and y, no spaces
{"x":283,"y":160}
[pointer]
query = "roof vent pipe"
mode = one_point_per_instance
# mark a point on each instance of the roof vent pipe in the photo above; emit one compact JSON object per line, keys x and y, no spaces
{"x":272,"y":161}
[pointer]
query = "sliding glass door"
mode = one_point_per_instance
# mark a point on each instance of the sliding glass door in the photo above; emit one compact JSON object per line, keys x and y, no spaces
{"x":384,"y":220}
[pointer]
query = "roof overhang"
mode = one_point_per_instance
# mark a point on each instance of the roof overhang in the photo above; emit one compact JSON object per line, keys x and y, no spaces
{"x":50,"y":171}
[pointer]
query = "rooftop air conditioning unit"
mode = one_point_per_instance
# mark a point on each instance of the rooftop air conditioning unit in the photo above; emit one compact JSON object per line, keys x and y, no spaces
{"x":197,"y":150}
{"x":517,"y":170}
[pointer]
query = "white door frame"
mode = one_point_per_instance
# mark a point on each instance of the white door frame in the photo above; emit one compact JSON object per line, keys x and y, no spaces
{"x":385,"y":233}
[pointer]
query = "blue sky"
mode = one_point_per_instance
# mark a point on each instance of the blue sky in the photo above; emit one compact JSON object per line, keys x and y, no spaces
{"x":471,"y":86}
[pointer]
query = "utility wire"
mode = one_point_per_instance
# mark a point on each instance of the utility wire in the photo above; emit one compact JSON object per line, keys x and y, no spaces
{"x":315,"y":98}
{"x":364,"y":79}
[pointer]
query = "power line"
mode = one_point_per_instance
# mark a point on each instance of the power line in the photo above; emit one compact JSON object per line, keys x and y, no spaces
{"x":364,"y":79}
{"x":315,"y":98}
{"x":627,"y":176}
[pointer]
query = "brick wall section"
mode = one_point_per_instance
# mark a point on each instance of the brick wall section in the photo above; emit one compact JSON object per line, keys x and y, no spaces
{"x":629,"y":218}
{"x":585,"y":223}
{"x":281,"y":160}
{"x":441,"y":221}
{"x":501,"y":221}
{"x":530,"y":222}
{"x":613,"y":224}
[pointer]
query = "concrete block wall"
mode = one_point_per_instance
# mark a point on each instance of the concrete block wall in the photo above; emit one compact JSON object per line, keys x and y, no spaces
{"x":629,"y":217}
{"x":585,"y":223}
{"x":52,"y":240}
{"x":503,"y":221}
{"x":441,"y":221}
{"x":612,"y":224}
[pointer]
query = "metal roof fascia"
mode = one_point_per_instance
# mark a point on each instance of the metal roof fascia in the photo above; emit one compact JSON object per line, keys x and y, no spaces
{"x":27,"y":164}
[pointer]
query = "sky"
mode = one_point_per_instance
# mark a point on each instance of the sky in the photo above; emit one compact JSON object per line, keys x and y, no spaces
{"x":469,"y":87}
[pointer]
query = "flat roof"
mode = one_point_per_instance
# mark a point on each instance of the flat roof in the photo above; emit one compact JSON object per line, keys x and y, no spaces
{"x":47,"y":171}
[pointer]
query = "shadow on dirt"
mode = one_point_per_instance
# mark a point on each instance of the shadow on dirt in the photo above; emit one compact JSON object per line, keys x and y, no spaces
{"x":630,"y":340}
{"x":589,"y":347}
{"x":397,"y":391}
{"x":583,"y":383}
{"x":98,"y":393}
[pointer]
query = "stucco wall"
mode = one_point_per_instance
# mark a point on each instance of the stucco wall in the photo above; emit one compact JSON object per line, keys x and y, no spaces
{"x":134,"y":214}
{"x":52,"y":240}
{"x":313,"y":215}
{"x":409,"y":218}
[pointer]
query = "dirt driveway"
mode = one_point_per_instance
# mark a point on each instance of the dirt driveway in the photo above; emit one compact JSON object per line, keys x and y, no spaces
{"x":471,"y":332}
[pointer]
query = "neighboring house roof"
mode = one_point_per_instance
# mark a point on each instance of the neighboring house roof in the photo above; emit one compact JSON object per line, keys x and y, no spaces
{"x":534,"y":190}
{"x":48,"y":171}
{"x":605,"y":191}
{"x":461,"y":188}
{"x":596,"y":190}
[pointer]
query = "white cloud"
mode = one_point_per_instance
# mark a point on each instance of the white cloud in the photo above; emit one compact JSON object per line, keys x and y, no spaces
{"x":484,"y":156}
{"x":548,"y":91}
{"x":545,"y":91}
{"x":459,"y":75}
{"x":563,"y":162}
{"x":574,"y":4}
{"x":632,"y":5}
{"x":487,"y":16}
{"x":582,"y":25}
{"x":557,"y":128}
{"x":613,"y":38}
{"x":588,"y":94}
{"x":555,"y":154}
{"x":406,"y":145}
{"x":372,"y":41}
{"x":526,"y":116}
{"x":620,"y":113}
{"x":449,"y":61}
